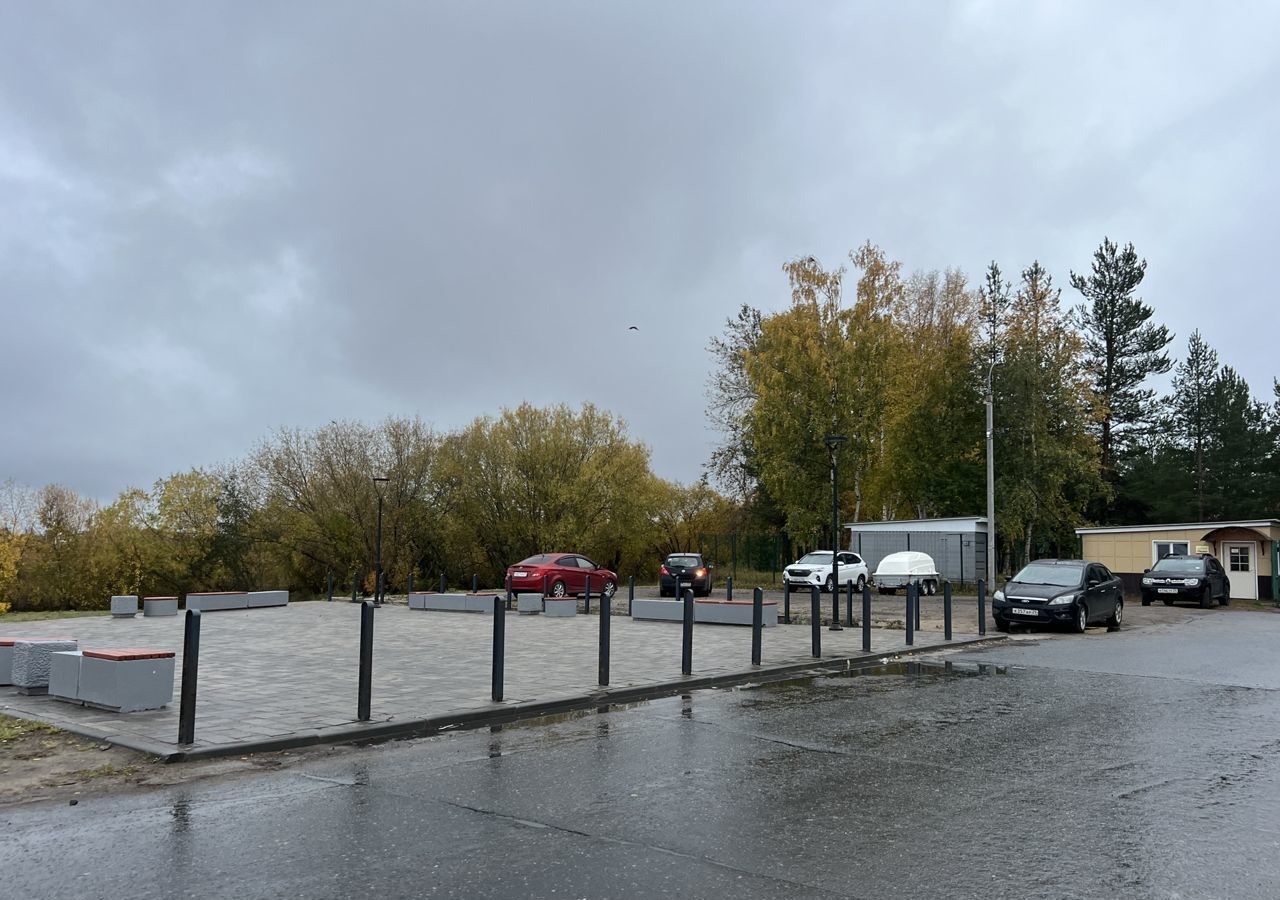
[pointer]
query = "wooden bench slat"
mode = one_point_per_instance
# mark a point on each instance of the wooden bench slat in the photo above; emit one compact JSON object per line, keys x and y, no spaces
{"x":128,"y":654}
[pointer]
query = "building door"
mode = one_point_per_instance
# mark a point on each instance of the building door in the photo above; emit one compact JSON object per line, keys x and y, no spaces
{"x":1242,"y":568}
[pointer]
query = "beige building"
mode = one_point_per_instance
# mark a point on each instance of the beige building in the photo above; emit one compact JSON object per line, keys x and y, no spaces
{"x":1247,"y":550}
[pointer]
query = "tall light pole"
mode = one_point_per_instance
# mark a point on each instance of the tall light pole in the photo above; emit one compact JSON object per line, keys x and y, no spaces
{"x":991,"y":486}
{"x":833,"y":442}
{"x":377,"y":575}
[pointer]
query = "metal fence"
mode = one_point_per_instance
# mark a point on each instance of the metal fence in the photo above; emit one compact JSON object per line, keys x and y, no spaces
{"x":960,"y":557}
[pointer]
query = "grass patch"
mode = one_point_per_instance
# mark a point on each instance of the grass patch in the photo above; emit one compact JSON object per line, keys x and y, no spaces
{"x":12,"y":729}
{"x":42,"y":615}
{"x":104,"y":771}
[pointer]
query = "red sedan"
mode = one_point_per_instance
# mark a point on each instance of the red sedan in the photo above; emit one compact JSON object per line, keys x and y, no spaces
{"x":565,"y":574}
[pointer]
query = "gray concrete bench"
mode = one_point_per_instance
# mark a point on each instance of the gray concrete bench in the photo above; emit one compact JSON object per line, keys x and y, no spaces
{"x":709,"y":612}
{"x":120,"y":680}
{"x":430,"y":600}
{"x":25,"y":662}
{"x":159,"y":606}
{"x":212,"y":601}
{"x":124,"y":606}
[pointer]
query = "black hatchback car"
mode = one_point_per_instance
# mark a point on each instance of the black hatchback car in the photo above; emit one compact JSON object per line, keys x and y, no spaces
{"x":690,"y":569}
{"x":1075,"y":592}
{"x":1200,"y":579}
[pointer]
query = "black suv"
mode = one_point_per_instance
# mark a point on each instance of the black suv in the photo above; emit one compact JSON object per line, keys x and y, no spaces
{"x":1199,"y":578}
{"x":690,"y":569}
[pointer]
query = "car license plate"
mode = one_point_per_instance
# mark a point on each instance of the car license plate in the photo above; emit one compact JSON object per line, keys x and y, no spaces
{"x":1024,"y":612}
{"x":1166,"y":590}
{"x":519,"y":574}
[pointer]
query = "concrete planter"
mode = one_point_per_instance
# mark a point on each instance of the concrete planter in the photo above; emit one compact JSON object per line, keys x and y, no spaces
{"x":706,"y":612}
{"x":451,"y":602}
{"x":64,"y":675}
{"x":159,"y":606}
{"x":562,"y":607}
{"x":216,"y":601}
{"x":124,"y":606}
{"x":126,"y":680}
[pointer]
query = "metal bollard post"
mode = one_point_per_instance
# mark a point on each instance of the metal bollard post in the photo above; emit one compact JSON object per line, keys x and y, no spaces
{"x":848,"y":602}
{"x":982,"y":607}
{"x":380,"y":589}
{"x":757,"y":624}
{"x":475,"y":584}
{"x":366,"y":660}
{"x":631,"y":593}
{"x":919,"y":592}
{"x":190,"y":674}
{"x":815,"y":621}
{"x":786,"y":602}
{"x":686,"y":636}
{"x":835,"y":608}
{"x":499,"y":647}
{"x":587,"y":609}
{"x":508,"y":601}
{"x":911,"y":614}
{"x":728,"y":588}
{"x":866,"y":618}
{"x":329,"y":578}
{"x":606,"y":613}
{"x":946,"y":610}
{"x":442,"y":582}
{"x":409,"y":588}
{"x":353,"y":588}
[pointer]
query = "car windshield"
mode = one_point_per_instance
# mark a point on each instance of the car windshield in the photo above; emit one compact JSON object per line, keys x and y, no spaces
{"x":1046,"y":573}
{"x":817,"y":558}
{"x":1180,"y":566}
{"x":540,"y":559}
{"x":683,"y":561}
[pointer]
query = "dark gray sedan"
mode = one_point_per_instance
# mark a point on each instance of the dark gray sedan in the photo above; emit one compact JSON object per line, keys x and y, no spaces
{"x":1074,"y":592}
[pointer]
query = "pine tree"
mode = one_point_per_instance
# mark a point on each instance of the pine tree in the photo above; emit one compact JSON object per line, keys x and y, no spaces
{"x":1123,"y":347}
{"x":1192,"y":404}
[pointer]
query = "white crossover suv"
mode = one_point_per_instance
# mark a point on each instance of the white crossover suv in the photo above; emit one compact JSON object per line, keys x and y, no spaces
{"x":815,"y":568}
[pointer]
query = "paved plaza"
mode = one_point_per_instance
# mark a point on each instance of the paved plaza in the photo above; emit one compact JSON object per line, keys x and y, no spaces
{"x":288,"y":675}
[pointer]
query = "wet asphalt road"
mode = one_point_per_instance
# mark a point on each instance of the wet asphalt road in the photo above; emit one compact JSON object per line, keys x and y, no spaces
{"x":1144,"y":763}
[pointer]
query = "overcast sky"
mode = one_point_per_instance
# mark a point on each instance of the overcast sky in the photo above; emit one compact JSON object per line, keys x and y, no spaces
{"x":217,"y":219}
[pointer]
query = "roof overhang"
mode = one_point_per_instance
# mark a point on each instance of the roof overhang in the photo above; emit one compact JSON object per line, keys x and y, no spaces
{"x":1181,"y":526}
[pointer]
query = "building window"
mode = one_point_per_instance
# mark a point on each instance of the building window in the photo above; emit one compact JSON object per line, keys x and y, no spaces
{"x":1240,"y":559}
{"x":1161,"y":549}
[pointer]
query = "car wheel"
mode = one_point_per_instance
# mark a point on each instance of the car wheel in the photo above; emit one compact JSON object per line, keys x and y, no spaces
{"x":1167,"y":601}
{"x":1117,"y":617}
{"x":862,"y":583}
{"x":1206,"y":598}
{"x":829,"y":585}
{"x":1224,"y":600}
{"x":609,"y":590}
{"x":1002,"y":625}
{"x":557,"y":589}
{"x":933,"y":587}
{"x":1082,"y":619}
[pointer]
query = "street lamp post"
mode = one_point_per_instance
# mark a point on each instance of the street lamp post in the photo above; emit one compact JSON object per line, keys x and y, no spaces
{"x":833,"y":442}
{"x":377,"y":575}
{"x":991,"y":486}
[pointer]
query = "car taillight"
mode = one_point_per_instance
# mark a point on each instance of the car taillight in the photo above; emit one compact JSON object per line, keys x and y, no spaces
{"x":700,"y":573}
{"x":664,"y":571}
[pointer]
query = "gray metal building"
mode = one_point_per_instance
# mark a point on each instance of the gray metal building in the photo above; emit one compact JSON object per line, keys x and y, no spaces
{"x":958,"y":545}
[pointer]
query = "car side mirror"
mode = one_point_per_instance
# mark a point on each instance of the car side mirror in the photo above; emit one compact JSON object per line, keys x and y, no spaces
{"x":1145,"y":571}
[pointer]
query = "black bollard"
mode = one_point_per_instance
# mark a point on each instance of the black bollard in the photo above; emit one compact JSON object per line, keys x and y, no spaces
{"x":686,"y":635}
{"x":866,"y":618}
{"x":728,"y":588}
{"x":587,"y":596}
{"x":366,"y":660}
{"x":409,"y":588}
{"x":499,"y":647}
{"x":786,"y":602}
{"x":835,"y":608}
{"x":190,"y":673}
{"x":982,"y":607}
{"x":475,"y":584}
{"x":443,"y":583}
{"x":946,"y":610}
{"x":757,"y":624}
{"x":329,"y":578}
{"x":815,"y":621}
{"x":353,"y":589}
{"x":919,"y":592}
{"x":508,"y":601}
{"x":606,"y":613}
{"x":848,"y":602}
{"x":911,"y":614}
{"x":380,"y":589}
{"x":631,"y":593}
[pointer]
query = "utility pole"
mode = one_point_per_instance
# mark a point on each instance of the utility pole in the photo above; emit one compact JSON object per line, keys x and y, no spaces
{"x":833,"y":443}
{"x":991,"y":486}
